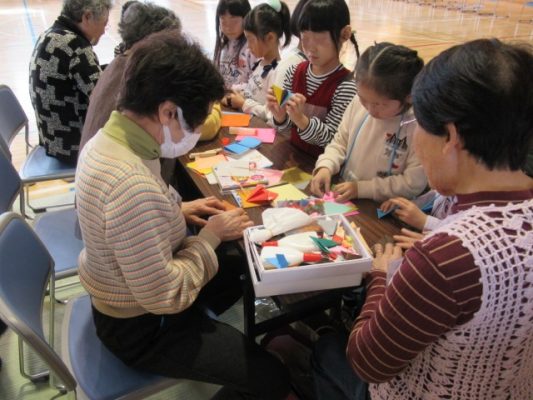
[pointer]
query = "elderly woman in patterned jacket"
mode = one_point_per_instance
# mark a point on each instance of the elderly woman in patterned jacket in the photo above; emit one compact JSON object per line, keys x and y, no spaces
{"x":455,"y":321}
{"x":63,"y":72}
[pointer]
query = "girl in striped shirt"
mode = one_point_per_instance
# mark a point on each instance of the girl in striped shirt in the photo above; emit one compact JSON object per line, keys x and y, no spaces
{"x":322,"y":88}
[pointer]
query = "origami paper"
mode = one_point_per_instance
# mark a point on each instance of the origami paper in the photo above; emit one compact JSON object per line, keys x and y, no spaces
{"x":289,"y":192}
{"x":297,"y":177}
{"x":261,"y":195}
{"x":234,"y":119}
{"x":329,"y":226}
{"x":250,"y":142}
{"x":282,"y":95}
{"x":233,"y":130}
{"x":236,"y":148}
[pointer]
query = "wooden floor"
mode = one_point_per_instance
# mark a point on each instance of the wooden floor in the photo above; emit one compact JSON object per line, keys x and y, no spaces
{"x":423,"y":27}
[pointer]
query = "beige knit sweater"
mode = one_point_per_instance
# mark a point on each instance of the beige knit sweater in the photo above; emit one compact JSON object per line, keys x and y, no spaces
{"x":137,"y":258}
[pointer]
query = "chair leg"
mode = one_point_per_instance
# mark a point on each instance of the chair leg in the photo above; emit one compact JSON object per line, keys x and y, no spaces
{"x":40,"y":376}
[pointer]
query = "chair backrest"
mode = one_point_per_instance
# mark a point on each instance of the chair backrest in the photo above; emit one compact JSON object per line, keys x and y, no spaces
{"x":9,"y":182}
{"x":12,"y":115}
{"x":25,"y":268}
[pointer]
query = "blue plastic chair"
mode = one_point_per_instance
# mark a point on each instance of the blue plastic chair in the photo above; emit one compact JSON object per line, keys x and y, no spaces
{"x":25,"y":271}
{"x":38,"y":167}
{"x":100,"y":375}
{"x":96,"y":374}
{"x":58,"y":230}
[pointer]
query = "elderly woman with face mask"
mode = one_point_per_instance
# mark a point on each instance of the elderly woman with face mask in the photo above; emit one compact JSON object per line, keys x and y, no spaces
{"x":149,"y":282}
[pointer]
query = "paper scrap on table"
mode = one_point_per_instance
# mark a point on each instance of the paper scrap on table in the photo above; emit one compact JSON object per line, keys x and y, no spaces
{"x":297,"y":177}
{"x":288,"y":192}
{"x":211,"y":178}
{"x":236,"y":148}
{"x":250,"y":142}
{"x":336,"y":208}
{"x":382,"y":213}
{"x":243,"y":195}
{"x":252,"y":156}
{"x":204,"y":165}
{"x":265,"y":135}
{"x":234,"y":119}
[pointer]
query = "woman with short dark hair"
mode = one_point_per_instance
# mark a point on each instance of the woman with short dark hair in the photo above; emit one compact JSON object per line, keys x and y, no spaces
{"x":150,"y":283}
{"x":455,"y":321}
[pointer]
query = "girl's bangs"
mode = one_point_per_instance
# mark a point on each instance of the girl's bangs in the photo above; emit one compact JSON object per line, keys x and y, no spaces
{"x":237,"y":8}
{"x":316,"y":19}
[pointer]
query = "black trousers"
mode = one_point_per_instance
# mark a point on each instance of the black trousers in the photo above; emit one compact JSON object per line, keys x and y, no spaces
{"x":191,"y":345}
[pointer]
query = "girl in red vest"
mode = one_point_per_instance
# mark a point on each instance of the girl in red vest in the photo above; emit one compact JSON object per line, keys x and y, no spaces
{"x":322,"y":88}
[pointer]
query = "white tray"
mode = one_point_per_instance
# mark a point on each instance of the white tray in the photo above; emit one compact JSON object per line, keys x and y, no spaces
{"x":329,"y":275}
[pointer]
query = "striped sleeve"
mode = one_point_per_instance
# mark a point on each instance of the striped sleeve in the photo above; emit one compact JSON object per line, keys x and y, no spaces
{"x":138,"y":231}
{"x":320,"y":132}
{"x":436,"y":288}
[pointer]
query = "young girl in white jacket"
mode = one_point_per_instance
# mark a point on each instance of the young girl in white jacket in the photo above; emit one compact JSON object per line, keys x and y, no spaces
{"x":372,"y":148}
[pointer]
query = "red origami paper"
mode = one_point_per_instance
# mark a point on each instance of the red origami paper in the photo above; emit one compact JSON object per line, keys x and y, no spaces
{"x":261,"y":195}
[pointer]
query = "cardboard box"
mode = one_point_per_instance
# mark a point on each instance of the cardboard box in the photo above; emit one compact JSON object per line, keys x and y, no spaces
{"x":305,"y":278}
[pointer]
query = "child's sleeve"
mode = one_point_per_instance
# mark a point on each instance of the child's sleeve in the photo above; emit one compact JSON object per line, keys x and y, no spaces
{"x":319,"y":132}
{"x":335,"y":152}
{"x":211,"y":125}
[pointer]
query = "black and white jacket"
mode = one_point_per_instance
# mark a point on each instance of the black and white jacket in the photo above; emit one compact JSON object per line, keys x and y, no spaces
{"x":63,"y":72}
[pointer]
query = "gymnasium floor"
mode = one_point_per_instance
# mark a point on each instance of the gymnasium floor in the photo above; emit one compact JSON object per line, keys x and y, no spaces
{"x":423,"y":27}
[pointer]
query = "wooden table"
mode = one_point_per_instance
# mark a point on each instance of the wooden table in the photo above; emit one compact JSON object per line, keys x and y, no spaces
{"x":284,"y":155}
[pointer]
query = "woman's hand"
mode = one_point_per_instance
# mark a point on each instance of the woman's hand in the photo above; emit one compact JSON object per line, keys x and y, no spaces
{"x":321,"y":182}
{"x":229,"y":225}
{"x":279,"y":113}
{"x":345,"y":191}
{"x":295,"y":109}
{"x":407,"y":211}
{"x":408,"y":239}
{"x":196,"y":209}
{"x":383,"y":256}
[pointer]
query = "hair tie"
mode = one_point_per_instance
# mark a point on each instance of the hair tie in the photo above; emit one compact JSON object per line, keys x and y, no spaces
{"x":275,"y":4}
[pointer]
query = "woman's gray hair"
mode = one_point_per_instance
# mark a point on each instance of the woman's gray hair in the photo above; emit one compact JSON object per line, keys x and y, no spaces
{"x":74,"y":9}
{"x":142,"y":19}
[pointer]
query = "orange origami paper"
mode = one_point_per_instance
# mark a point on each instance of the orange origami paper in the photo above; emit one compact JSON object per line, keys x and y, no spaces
{"x":235,"y":119}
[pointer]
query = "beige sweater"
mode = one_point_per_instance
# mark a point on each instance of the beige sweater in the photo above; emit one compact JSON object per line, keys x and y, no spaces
{"x":137,"y":257}
{"x":372,"y":142}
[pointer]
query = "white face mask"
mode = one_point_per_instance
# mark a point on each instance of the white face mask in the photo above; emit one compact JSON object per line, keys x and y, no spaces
{"x":169,"y":149}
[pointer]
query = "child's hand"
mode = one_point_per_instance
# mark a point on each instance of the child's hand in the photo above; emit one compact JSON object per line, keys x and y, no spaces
{"x":345,"y":191}
{"x":408,"y":212}
{"x":235,"y":100}
{"x":386,"y":206}
{"x":408,"y":239}
{"x":295,"y":109}
{"x":321,"y":182}
{"x":279,"y":113}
